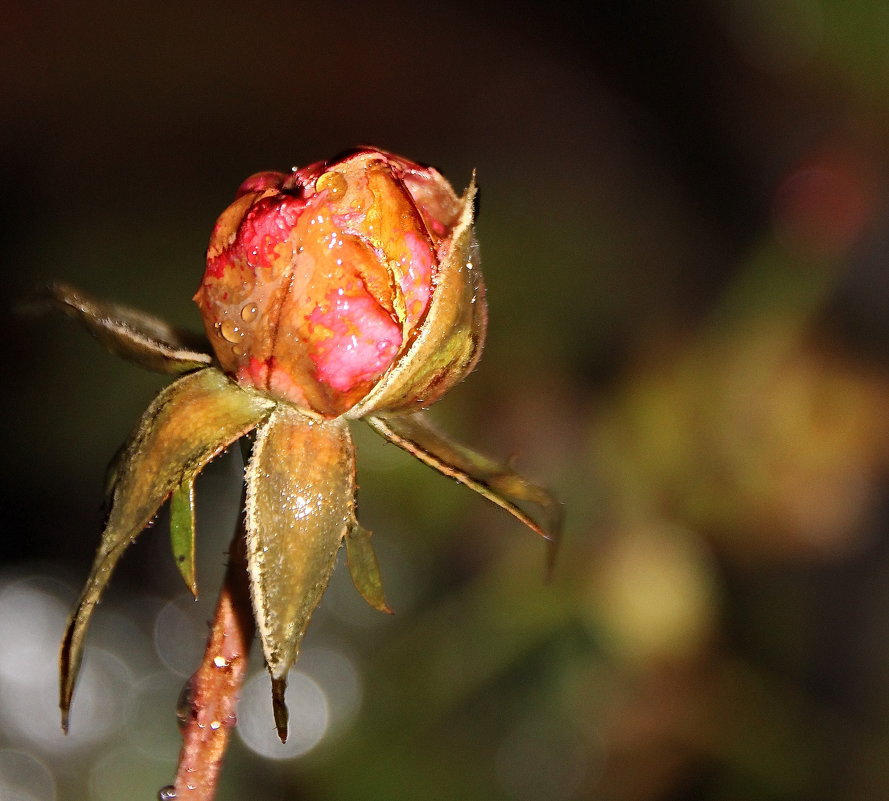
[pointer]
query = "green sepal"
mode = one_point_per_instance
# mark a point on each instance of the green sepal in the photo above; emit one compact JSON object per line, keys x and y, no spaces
{"x":129,"y":333}
{"x":497,"y":482}
{"x":300,"y":505}
{"x":182,"y":531}
{"x":186,"y":425}
{"x":364,"y":568}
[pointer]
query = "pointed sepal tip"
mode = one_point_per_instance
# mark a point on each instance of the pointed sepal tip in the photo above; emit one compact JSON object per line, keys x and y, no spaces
{"x":365,"y":569}
{"x":182,"y":532}
{"x":279,"y":707}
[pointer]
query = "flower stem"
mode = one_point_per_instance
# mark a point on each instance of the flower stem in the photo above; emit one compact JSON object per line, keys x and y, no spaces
{"x":207,"y":712}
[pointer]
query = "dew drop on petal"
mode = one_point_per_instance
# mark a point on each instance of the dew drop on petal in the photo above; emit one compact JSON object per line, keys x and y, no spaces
{"x":230,"y":331}
{"x":167,"y":793}
{"x":334,"y":182}
{"x":249,"y":312}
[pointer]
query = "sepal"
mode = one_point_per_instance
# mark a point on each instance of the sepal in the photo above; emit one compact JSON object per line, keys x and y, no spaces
{"x":364,"y":568}
{"x":185,"y":426}
{"x":182,"y":531}
{"x":129,"y":333}
{"x":300,"y":505}
{"x":497,"y":482}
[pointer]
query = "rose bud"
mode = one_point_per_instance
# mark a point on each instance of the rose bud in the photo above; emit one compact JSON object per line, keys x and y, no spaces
{"x":346,"y":287}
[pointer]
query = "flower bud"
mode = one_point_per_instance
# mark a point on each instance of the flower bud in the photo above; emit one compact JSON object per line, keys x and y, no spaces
{"x":346,"y":285}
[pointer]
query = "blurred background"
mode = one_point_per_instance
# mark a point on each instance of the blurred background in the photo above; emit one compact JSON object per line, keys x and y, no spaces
{"x":685,"y":232}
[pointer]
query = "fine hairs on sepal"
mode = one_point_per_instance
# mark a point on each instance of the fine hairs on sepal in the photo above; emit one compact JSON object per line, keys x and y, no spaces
{"x":346,"y":290}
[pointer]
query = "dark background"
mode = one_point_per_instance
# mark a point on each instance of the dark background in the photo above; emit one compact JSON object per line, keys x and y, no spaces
{"x":684,"y":231}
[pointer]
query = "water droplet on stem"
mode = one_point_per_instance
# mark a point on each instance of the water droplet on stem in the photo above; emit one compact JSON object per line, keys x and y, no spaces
{"x":184,"y":705}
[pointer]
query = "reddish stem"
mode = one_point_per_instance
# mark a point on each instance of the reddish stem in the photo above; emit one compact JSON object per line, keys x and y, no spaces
{"x":208,"y":712}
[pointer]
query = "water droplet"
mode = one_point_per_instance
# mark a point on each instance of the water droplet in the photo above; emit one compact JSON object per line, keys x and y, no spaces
{"x":249,"y":312}
{"x":334,"y":182}
{"x":230,"y":331}
{"x":184,"y":705}
{"x":220,"y":661}
{"x":167,"y":793}
{"x":237,"y":350}
{"x":214,"y":725}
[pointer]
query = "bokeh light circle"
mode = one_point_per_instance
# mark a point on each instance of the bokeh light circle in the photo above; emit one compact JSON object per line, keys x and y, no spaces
{"x":23,"y":777}
{"x":309,"y":716}
{"x":180,"y":633}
